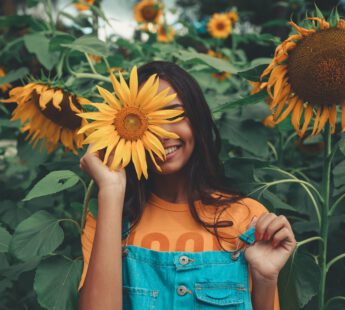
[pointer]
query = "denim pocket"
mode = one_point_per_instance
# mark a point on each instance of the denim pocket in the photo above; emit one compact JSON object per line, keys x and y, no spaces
{"x":139,"y":298}
{"x":216,"y":295}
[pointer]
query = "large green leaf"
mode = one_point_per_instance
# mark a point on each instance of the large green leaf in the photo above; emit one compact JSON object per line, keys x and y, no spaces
{"x":253,"y":74}
{"x":5,"y":238}
{"x":56,"y":282}
{"x":38,"y":44}
{"x":14,"y":75}
{"x":90,"y":45}
{"x":38,"y":235}
{"x":299,"y":281}
{"x":249,"y":135}
{"x":52,"y":183}
{"x":219,"y":64}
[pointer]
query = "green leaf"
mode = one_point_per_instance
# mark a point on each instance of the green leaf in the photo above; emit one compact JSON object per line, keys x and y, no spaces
{"x":14,"y":271}
{"x":249,"y":135}
{"x":253,"y":74}
{"x":52,"y":183}
{"x":5,"y":239}
{"x":38,"y":235}
{"x":219,"y":64}
{"x":38,"y":44}
{"x":90,"y":45}
{"x":56,"y":282}
{"x":14,"y":75}
{"x":299,"y":281}
{"x":251,"y":99}
{"x":334,"y":17}
{"x":93,"y":207}
{"x":276,"y":202}
{"x":318,"y":12}
{"x":56,"y":43}
{"x":342,"y":145}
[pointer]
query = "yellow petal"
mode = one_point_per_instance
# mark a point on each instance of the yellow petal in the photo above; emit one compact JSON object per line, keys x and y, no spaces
{"x":125,"y":90}
{"x":166,"y":114}
{"x":154,"y":161}
{"x":109,"y":98}
{"x":159,"y":131}
{"x":96,"y":116}
{"x":93,"y":125}
{"x":333,"y":116}
{"x":307,"y":117}
{"x":117,"y":88}
{"x":57,"y":98}
{"x":72,"y":105}
{"x":45,"y":98}
{"x":316,"y":121}
{"x":142,"y":157}
{"x":152,"y":142}
{"x":323,"y":119}
{"x":296,"y":116}
{"x":165,"y":121}
{"x":110,"y":147}
{"x":101,"y":133}
{"x":118,"y":155}
{"x":135,"y":159}
{"x":144,"y":90}
{"x":289,"y":108}
{"x":133,"y":84}
{"x":127,"y":153}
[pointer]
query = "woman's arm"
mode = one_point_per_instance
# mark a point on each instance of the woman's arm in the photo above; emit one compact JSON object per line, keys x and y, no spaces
{"x":263,"y":293}
{"x":102,"y":288}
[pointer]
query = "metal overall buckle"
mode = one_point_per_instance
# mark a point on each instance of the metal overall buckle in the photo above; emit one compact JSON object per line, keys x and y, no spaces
{"x":248,"y":237}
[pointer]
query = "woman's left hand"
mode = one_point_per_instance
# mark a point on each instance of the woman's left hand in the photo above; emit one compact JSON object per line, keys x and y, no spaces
{"x":274,"y":244}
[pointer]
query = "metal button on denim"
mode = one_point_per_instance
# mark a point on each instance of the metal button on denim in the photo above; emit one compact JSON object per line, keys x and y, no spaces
{"x":181,"y":290}
{"x":184,"y":260}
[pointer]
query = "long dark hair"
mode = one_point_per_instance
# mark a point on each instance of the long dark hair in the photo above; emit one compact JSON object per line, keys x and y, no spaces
{"x":204,"y":170}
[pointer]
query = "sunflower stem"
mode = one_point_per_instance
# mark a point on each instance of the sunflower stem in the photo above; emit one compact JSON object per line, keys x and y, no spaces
{"x":86,"y":204}
{"x":326,"y":178}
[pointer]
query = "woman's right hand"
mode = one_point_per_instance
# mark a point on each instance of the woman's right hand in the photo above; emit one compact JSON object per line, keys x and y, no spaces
{"x":92,"y":164}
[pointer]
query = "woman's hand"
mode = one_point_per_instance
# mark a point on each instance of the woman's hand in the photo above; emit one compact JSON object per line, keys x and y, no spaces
{"x":274,"y":244}
{"x":92,"y":164}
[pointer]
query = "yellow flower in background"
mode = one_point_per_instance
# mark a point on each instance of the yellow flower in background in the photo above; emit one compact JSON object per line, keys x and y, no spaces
{"x":6,"y":86}
{"x":307,"y":76}
{"x":48,"y":114}
{"x":219,"y":26}
{"x":223,"y":75}
{"x":148,"y":11}
{"x":129,"y":123}
{"x":165,"y":33}
{"x":83,"y":5}
{"x":233,"y":16}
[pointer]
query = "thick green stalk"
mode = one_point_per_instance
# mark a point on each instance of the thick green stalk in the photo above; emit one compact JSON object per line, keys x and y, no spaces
{"x":86,"y":204}
{"x":326,"y":180}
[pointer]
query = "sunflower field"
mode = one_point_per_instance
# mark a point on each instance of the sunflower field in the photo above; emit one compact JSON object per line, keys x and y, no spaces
{"x":273,"y":74}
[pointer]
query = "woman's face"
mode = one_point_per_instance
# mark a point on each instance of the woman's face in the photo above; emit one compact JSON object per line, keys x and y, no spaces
{"x":178,"y":151}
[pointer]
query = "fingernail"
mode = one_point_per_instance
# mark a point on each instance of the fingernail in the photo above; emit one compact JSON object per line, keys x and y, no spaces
{"x":266,"y":236}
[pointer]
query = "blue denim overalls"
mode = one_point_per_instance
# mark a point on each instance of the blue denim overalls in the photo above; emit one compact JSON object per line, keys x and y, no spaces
{"x":185,"y":280}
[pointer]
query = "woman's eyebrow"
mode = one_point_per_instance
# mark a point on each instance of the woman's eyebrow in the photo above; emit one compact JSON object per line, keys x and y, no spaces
{"x":176,"y":105}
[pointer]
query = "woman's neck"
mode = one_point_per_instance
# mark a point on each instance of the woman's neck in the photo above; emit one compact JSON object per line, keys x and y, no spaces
{"x":171,"y":187}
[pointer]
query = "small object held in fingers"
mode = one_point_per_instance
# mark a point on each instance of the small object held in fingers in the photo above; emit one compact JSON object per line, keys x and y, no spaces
{"x":248,"y":236}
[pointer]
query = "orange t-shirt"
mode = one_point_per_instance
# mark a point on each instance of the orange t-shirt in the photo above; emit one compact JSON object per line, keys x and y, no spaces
{"x":167,"y":226}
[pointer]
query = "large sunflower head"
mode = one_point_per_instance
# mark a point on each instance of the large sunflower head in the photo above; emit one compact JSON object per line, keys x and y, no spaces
{"x":307,"y":74}
{"x":148,"y":11}
{"x":129,"y":123}
{"x":48,"y":114}
{"x":219,"y":26}
{"x":83,"y":5}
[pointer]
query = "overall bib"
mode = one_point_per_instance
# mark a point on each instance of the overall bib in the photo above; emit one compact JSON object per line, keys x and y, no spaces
{"x":184,"y":280}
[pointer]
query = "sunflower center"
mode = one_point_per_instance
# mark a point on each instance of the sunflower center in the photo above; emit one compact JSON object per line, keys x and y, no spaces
{"x":316,"y":67}
{"x":64,"y":117}
{"x":130,"y":123}
{"x":220,"y":26}
{"x":149,"y":13}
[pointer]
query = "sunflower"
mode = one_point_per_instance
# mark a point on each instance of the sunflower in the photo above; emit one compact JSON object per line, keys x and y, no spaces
{"x":219,"y":26}
{"x":83,"y":5}
{"x":48,"y":114}
{"x":307,"y":76}
{"x":4,"y":87}
{"x":148,"y":11}
{"x":129,"y":123}
{"x":233,"y":16}
{"x":165,"y":33}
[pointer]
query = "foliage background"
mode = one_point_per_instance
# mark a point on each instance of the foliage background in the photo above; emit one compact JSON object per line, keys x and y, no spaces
{"x":40,"y":251}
